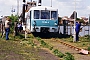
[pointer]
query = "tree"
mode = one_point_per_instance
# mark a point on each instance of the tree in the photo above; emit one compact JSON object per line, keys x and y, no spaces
{"x":13,"y":19}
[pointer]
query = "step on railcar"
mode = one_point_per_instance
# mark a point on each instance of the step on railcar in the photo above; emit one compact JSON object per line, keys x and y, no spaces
{"x":42,"y":19}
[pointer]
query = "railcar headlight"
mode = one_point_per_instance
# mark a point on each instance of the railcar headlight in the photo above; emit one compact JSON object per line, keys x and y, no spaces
{"x":55,"y":23}
{"x":34,"y":23}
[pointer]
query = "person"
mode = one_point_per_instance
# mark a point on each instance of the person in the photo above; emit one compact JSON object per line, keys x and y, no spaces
{"x":7,"y":27}
{"x":77,"y":29}
{"x":19,"y":25}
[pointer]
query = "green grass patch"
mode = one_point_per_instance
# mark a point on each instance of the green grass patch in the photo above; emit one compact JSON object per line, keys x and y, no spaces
{"x":58,"y":53}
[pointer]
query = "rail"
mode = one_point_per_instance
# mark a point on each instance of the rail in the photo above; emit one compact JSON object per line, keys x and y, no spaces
{"x":75,"y":48}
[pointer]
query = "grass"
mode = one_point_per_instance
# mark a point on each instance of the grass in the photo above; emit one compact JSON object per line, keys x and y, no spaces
{"x":17,"y":51}
{"x":18,"y":48}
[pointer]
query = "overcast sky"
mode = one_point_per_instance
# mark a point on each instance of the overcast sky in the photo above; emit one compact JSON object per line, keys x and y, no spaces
{"x":65,"y":7}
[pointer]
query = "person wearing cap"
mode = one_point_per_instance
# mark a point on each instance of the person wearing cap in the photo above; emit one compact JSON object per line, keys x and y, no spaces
{"x":7,"y":27}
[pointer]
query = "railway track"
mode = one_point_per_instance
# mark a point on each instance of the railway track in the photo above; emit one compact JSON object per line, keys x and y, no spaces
{"x":80,"y":50}
{"x":74,"y":47}
{"x":66,"y":47}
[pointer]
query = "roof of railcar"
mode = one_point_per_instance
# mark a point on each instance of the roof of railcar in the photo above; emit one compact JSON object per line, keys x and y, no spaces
{"x":43,"y":8}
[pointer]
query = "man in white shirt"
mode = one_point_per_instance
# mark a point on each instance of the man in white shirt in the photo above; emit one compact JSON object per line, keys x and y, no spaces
{"x":7,"y":27}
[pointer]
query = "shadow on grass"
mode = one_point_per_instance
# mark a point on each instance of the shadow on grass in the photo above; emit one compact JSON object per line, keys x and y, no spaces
{"x":50,"y":35}
{"x":20,"y":36}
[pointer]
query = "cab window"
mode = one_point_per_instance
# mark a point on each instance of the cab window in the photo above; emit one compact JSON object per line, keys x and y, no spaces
{"x":53,"y":15}
{"x":45,"y":14}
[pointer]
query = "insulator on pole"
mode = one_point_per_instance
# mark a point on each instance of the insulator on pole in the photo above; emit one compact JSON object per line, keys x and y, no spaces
{"x":39,"y":2}
{"x":24,"y":1}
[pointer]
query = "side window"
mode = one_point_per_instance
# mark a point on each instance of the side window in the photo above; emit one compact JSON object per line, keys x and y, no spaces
{"x":36,"y":14}
{"x":53,"y":15}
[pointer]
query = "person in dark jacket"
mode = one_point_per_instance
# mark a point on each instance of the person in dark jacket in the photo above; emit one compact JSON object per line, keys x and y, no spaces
{"x":77,"y":29}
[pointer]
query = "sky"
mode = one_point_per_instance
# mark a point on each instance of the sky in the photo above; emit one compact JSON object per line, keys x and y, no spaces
{"x":65,"y":7}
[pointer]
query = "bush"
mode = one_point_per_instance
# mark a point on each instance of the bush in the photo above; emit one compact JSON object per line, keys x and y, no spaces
{"x":89,"y":48}
{"x":38,"y":38}
{"x":68,"y":56}
{"x":50,"y":47}
{"x":58,"y":53}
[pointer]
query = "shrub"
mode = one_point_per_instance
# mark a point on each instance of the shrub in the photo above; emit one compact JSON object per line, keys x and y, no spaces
{"x":50,"y":47}
{"x":58,"y":53}
{"x":38,"y":38}
{"x":89,"y":48}
{"x":68,"y":56}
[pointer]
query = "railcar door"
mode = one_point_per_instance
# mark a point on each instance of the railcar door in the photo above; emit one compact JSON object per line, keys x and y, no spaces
{"x":30,"y":20}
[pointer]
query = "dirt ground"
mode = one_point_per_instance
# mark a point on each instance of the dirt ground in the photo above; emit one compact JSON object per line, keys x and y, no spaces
{"x":47,"y":55}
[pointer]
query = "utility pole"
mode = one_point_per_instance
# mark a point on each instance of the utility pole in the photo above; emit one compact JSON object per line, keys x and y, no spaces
{"x":74,"y":39}
{"x":24,"y":11}
{"x":12,"y":10}
{"x":51,"y":3}
{"x":88,"y":25}
{"x":2,"y":28}
{"x":24,"y":22}
{"x":17,"y":7}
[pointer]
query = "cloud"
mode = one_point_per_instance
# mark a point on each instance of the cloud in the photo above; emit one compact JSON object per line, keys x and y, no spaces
{"x":7,"y":5}
{"x":8,"y":2}
{"x":88,"y":7}
{"x":65,"y":7}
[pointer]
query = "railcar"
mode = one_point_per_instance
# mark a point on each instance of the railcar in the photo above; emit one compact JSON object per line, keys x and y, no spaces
{"x":42,"y":19}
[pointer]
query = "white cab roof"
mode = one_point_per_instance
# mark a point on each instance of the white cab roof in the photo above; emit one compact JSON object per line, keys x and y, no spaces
{"x":43,"y":8}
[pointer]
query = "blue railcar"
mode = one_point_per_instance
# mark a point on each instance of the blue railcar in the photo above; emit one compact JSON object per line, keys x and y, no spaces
{"x":42,"y":19}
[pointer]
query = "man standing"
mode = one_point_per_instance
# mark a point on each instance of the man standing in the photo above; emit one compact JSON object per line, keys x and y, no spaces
{"x":77,"y":29}
{"x":7,"y":27}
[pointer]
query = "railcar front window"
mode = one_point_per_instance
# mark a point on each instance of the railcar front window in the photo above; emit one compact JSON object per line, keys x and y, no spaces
{"x":45,"y":14}
{"x":53,"y":15}
{"x":36,"y":14}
